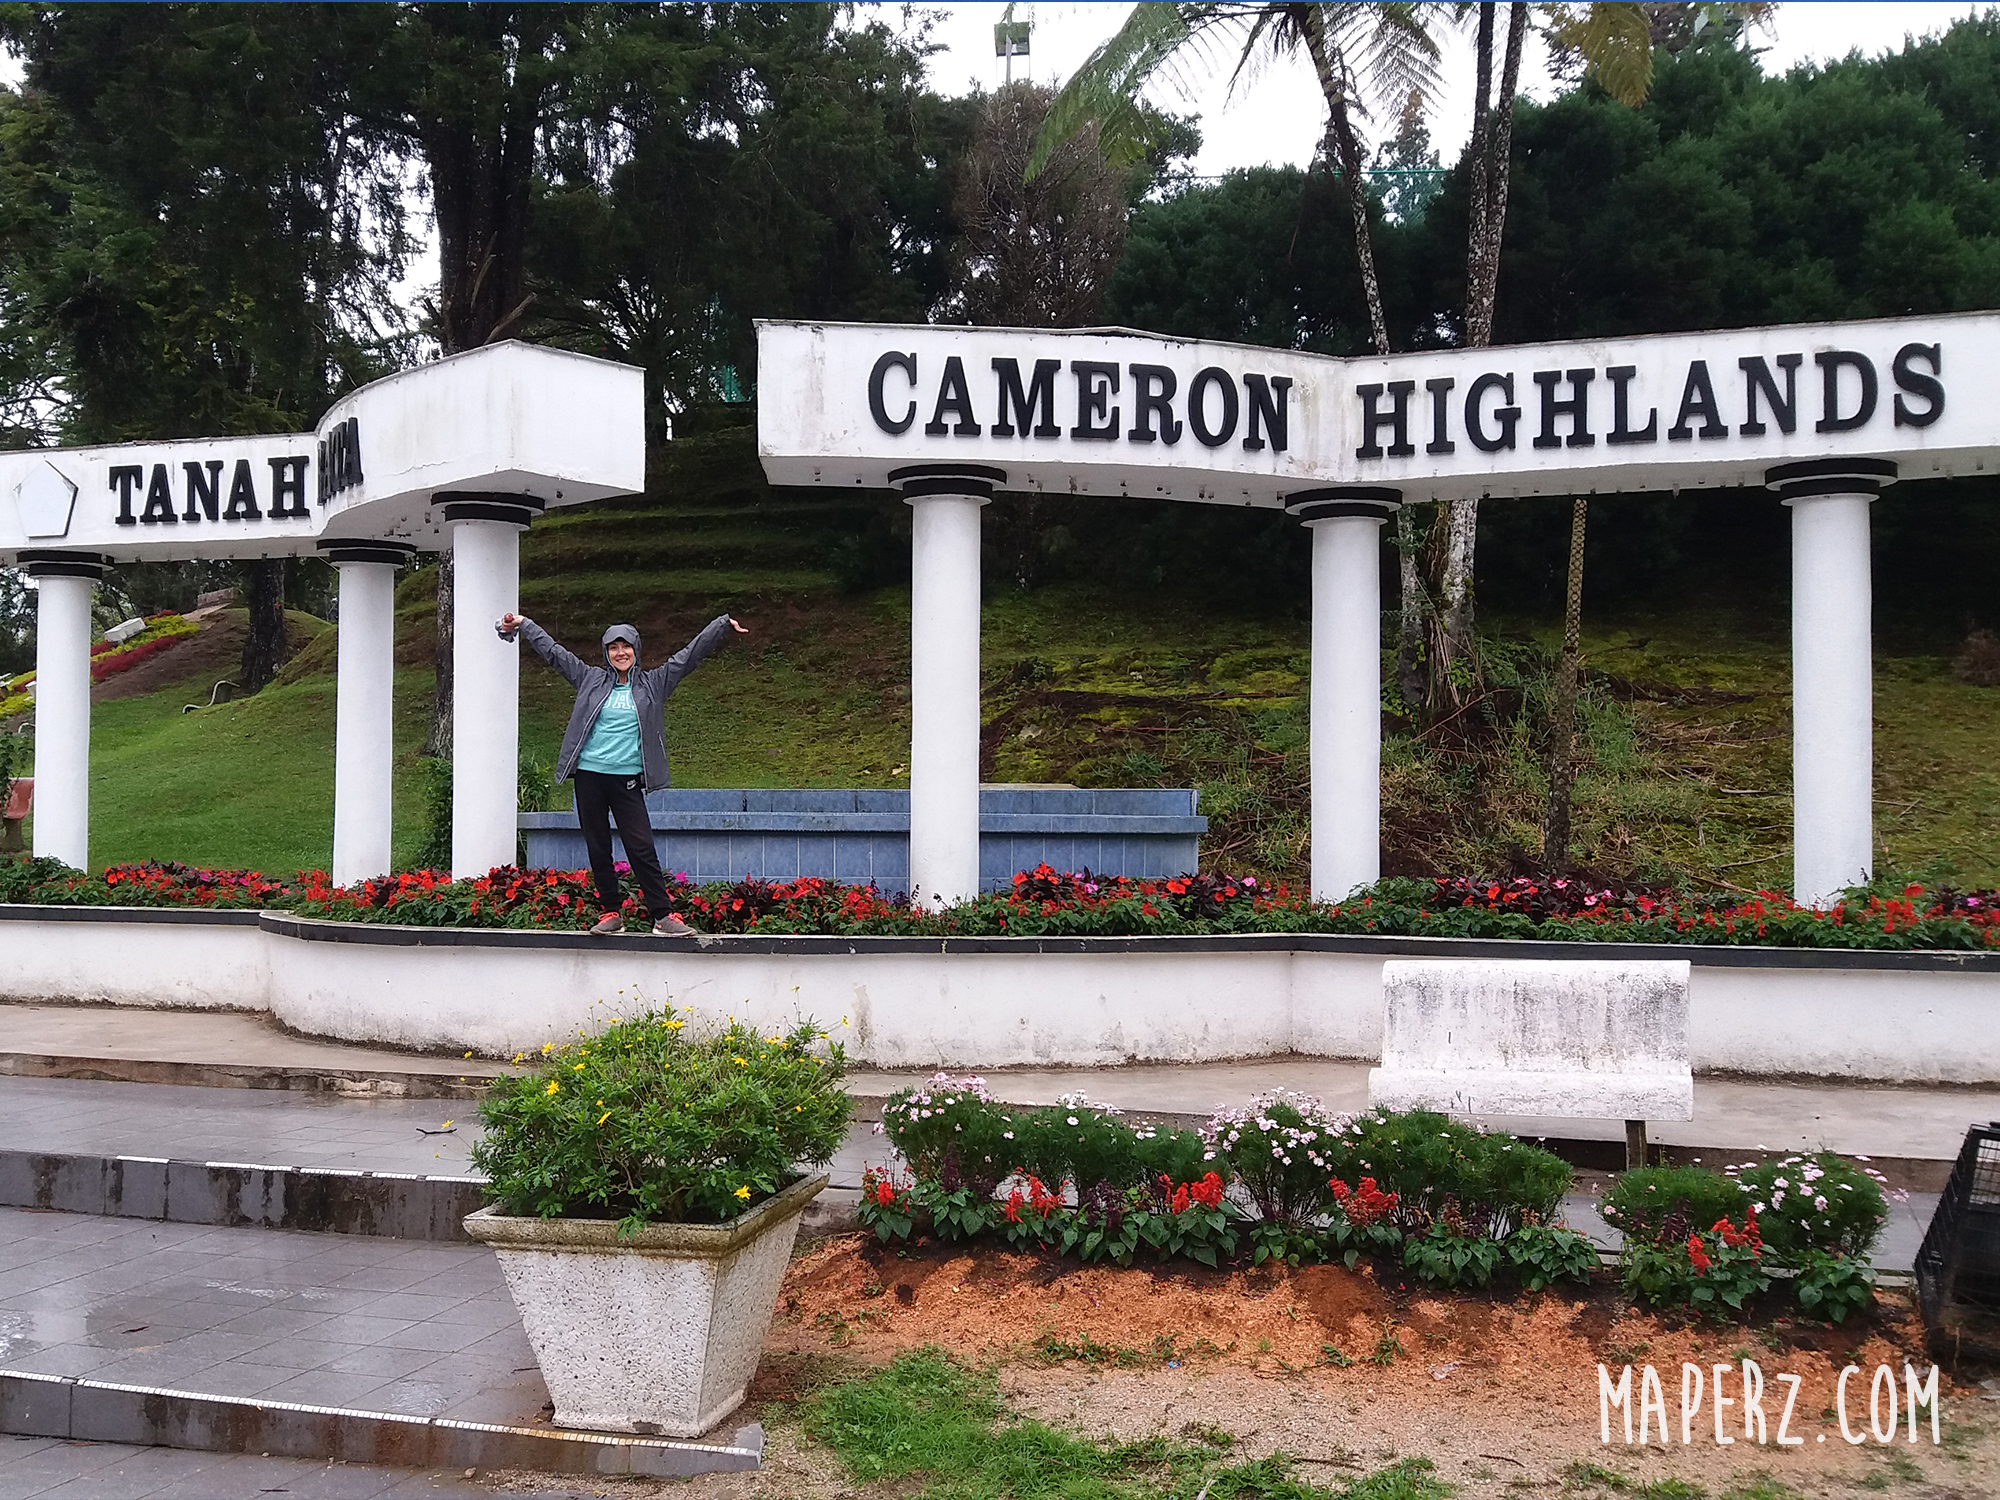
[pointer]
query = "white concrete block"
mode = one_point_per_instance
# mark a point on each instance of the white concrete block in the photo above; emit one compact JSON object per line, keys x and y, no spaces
{"x":1597,"y":1039}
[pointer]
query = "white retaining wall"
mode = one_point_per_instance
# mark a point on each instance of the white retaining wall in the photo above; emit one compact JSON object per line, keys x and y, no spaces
{"x":982,"y":1003}
{"x":91,"y":956}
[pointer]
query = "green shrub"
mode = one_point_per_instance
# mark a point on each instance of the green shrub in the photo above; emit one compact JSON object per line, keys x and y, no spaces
{"x":948,"y":1127}
{"x":650,"y":1121}
{"x":1437,"y":1167}
{"x":1652,"y":1205}
{"x":1817,"y":1202}
{"x":1086,"y":1145}
{"x":1278,"y":1148}
{"x":1451,"y":1257}
{"x":1177,"y":1155}
{"x":1704,"y":1271}
{"x":1832,"y":1286}
{"x":1542,"y":1255}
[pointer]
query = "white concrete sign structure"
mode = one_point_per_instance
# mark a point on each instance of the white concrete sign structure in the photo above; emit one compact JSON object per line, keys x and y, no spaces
{"x":1824,"y":415}
{"x":1575,"y":1039}
{"x":463,"y":452}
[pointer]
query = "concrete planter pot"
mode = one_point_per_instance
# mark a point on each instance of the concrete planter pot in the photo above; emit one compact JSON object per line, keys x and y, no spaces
{"x":659,"y":1334}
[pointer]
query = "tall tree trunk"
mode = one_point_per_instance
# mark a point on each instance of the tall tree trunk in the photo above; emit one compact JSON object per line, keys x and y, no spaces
{"x":1492,"y":158}
{"x":1562,"y":715}
{"x":438,"y":741}
{"x":480,"y":149}
{"x":1344,"y":148}
{"x":264,"y":647}
{"x":1411,"y":611}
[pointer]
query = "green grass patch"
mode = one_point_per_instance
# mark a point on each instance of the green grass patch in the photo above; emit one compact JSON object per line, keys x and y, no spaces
{"x":930,"y":1422}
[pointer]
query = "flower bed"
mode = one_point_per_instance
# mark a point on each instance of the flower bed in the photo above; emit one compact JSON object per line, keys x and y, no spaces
{"x":108,"y":658}
{"x":1809,"y":1219}
{"x":1281,"y":1180}
{"x":1046,"y":903}
{"x":1415,"y":1194}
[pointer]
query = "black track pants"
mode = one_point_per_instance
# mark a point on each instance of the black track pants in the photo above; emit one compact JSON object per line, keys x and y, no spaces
{"x":600,"y":799}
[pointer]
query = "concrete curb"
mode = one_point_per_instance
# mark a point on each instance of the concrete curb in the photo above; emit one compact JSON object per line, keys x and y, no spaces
{"x":394,"y":1205}
{"x":1700,"y":955}
{"x":234,"y":1195}
{"x":58,"y":1406}
{"x":349,"y":1083}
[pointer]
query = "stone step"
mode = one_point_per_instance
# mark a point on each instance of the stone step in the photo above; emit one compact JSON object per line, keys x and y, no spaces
{"x":273,"y":1341}
{"x":56,"y":1406}
{"x":219,"y":1049}
{"x":395,"y":1205}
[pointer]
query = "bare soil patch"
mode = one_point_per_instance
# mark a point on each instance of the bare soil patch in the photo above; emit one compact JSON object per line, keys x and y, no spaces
{"x":1501,"y":1394}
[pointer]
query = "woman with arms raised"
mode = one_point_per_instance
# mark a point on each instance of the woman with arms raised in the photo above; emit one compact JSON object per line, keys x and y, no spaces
{"x":616,"y":749}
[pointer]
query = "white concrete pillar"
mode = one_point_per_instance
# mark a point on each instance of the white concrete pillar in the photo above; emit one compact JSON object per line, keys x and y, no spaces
{"x":486,"y":678}
{"x":1833,"y":680}
{"x":62,"y":704}
{"x":945,"y":503}
{"x":364,"y":708}
{"x":1346,"y":721}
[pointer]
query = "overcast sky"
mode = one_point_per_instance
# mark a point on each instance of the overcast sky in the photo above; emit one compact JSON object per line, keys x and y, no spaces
{"x":1277,"y":117}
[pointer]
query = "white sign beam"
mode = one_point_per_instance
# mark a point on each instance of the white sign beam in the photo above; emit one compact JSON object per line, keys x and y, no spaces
{"x":514,"y":419}
{"x":1110,"y":412}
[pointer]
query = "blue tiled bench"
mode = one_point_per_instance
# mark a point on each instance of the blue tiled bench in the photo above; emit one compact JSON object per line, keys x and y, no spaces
{"x":861,"y":836}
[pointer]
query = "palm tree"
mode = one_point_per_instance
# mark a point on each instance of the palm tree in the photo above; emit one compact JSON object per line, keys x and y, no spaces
{"x":1357,"y":52}
{"x":1388,"y":51}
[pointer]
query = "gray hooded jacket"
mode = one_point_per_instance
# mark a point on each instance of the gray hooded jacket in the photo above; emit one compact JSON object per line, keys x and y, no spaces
{"x":650,"y":691}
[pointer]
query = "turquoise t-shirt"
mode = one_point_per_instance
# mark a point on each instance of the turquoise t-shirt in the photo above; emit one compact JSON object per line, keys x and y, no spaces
{"x":613,"y":746}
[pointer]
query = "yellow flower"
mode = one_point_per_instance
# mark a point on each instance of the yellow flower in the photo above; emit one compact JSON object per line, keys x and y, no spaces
{"x":519,"y":1055}
{"x":603,"y":1117}
{"x":675,"y":1025}
{"x":468,"y":1054}
{"x":553,"y":1088}
{"x":547,"y":1048}
{"x":741,"y":1063}
{"x":743,"y":1192}
{"x":576,"y":1067}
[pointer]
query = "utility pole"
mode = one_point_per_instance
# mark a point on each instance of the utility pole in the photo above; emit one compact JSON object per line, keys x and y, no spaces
{"x":1010,"y":40}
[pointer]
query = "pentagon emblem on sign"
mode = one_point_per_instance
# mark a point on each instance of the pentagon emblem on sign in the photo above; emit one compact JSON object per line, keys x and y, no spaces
{"x":45,"y":500}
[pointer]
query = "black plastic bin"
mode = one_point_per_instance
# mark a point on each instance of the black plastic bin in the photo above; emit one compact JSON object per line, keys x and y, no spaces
{"x":1958,"y":1268}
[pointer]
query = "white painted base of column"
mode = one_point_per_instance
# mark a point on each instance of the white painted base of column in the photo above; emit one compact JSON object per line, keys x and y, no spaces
{"x":364,"y":712}
{"x":944,"y":699}
{"x":62,"y":720}
{"x":486,"y":696}
{"x":1346,"y":714}
{"x":1833,"y":697}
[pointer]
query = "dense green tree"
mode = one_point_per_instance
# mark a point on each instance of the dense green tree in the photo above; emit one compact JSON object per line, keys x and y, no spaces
{"x":719,"y":164}
{"x":1262,"y":257}
{"x":197,"y":229}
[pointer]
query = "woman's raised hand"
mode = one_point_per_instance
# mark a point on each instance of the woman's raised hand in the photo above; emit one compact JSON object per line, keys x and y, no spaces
{"x":738,"y":626}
